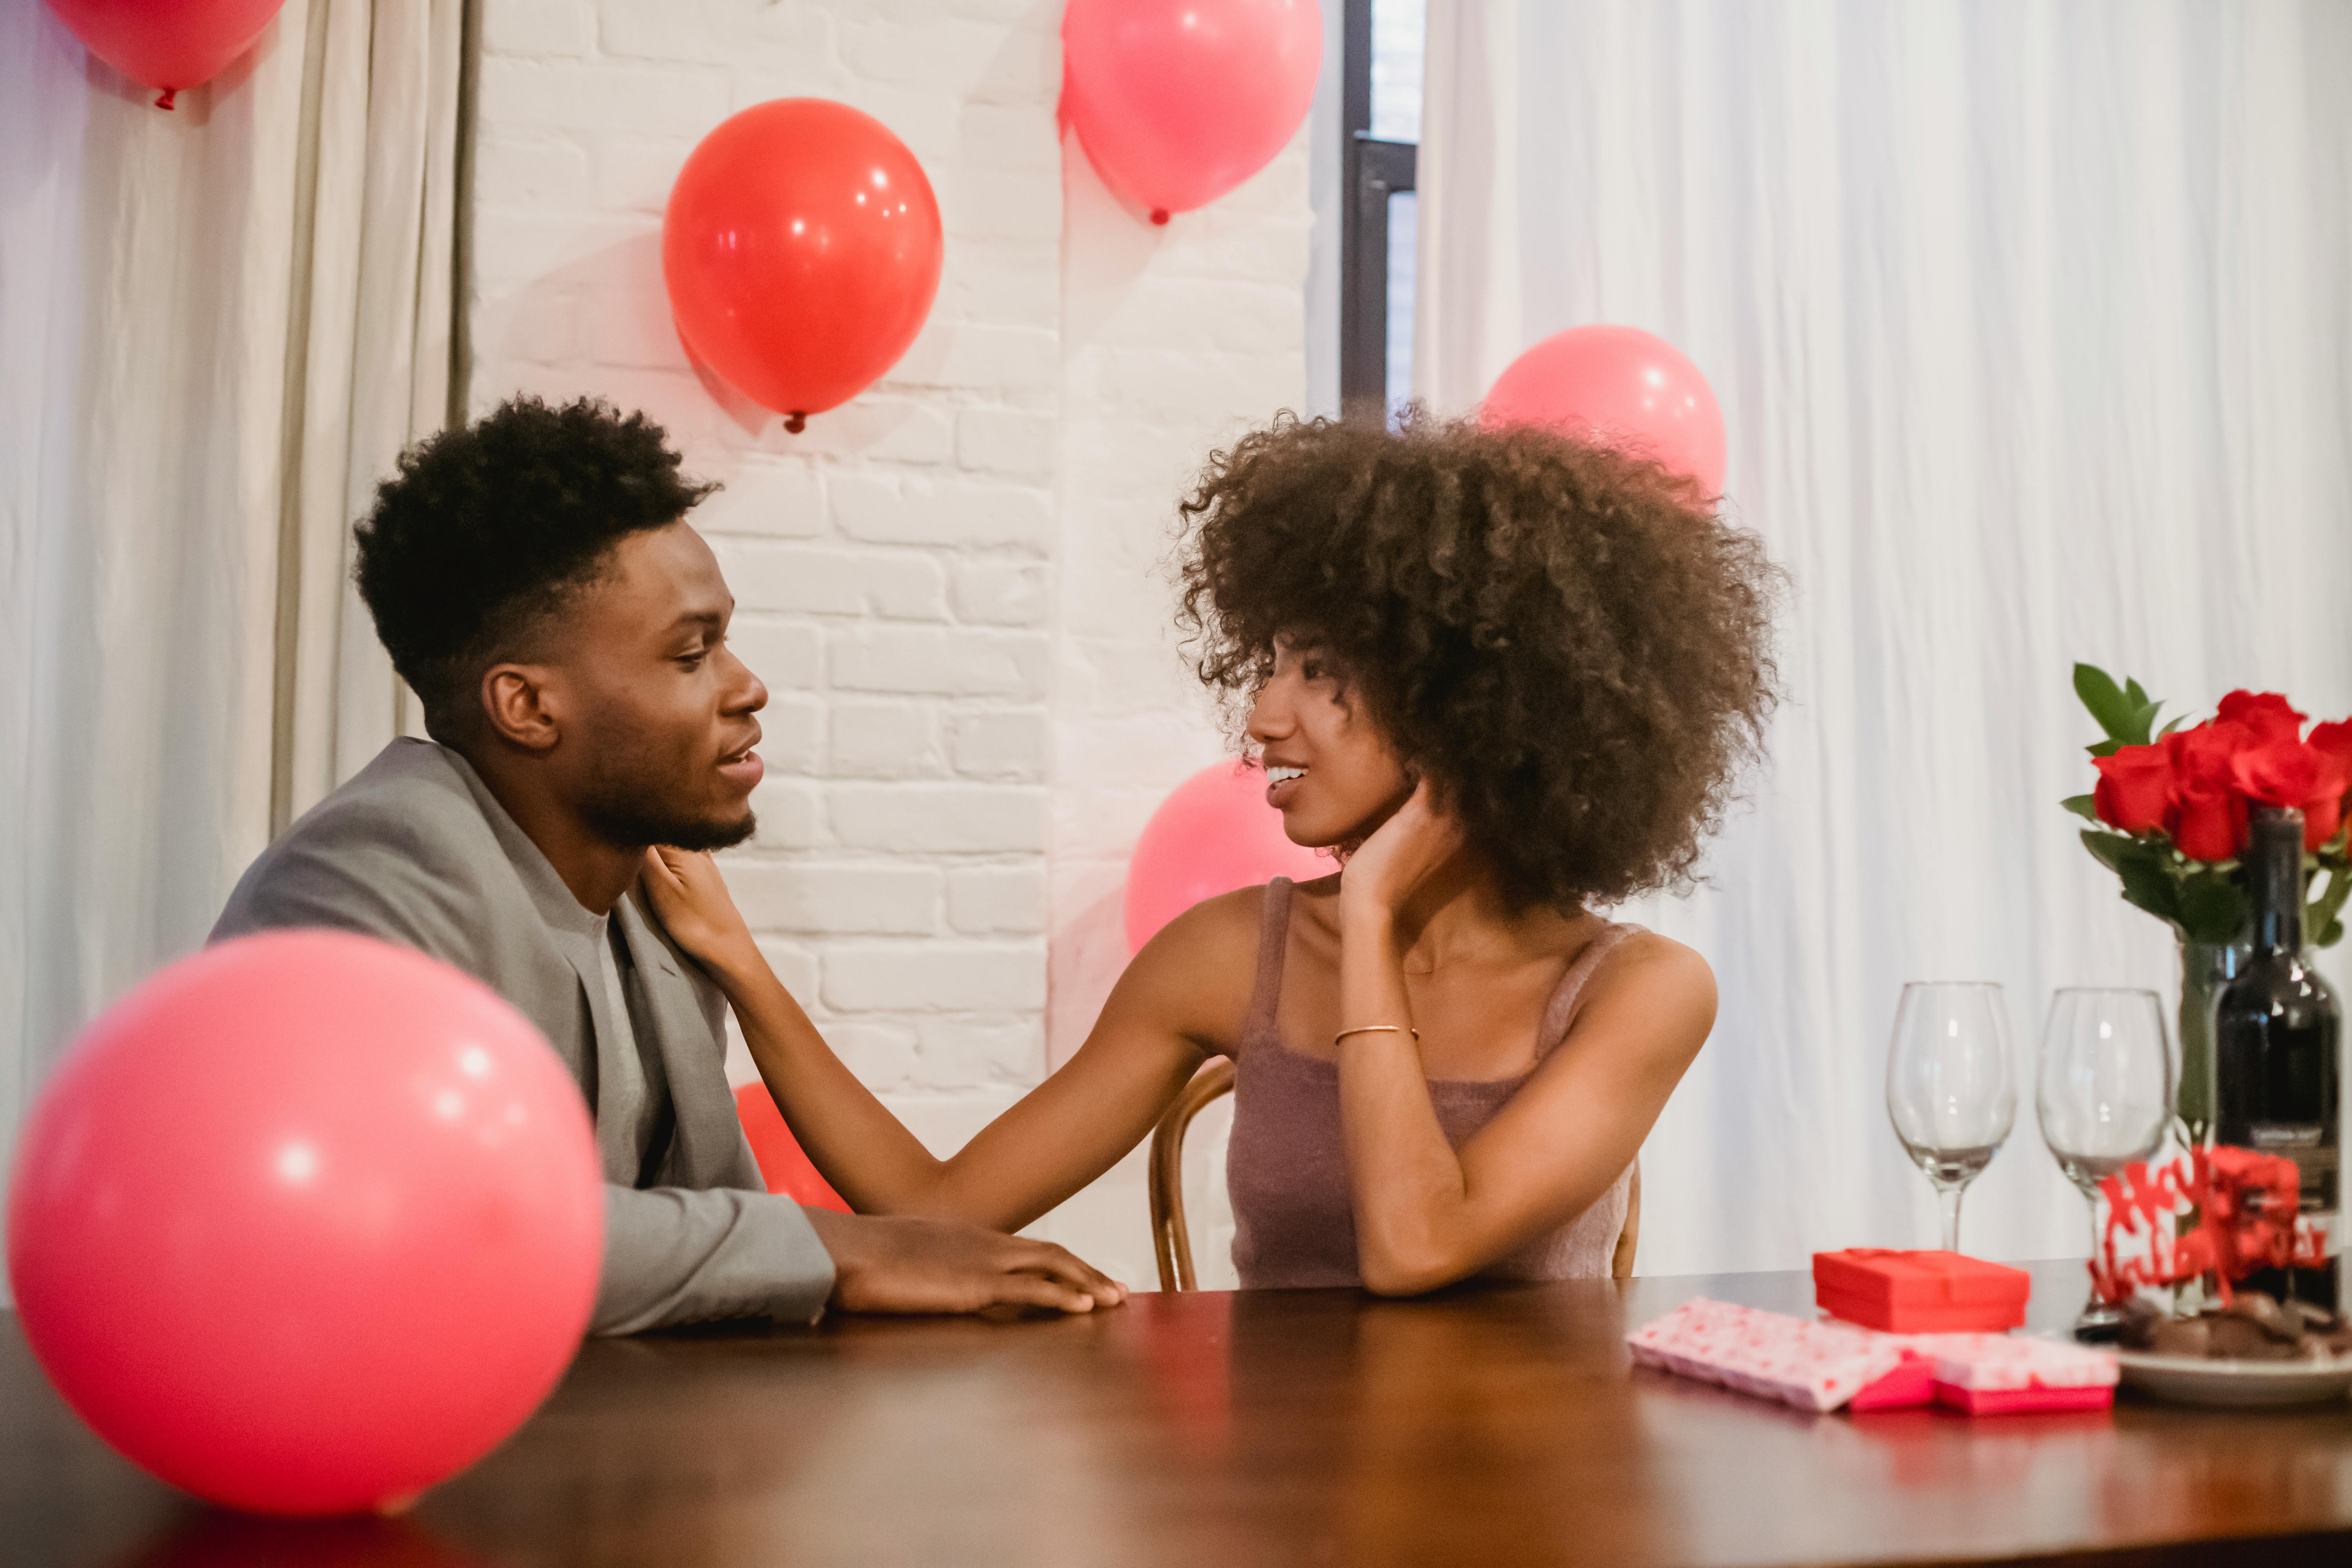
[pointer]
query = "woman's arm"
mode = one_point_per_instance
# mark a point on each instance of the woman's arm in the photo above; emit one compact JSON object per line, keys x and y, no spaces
{"x":1426,"y":1215}
{"x":1172,"y":1009}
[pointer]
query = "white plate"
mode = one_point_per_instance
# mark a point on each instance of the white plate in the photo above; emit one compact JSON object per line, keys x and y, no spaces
{"x":2193,"y":1380}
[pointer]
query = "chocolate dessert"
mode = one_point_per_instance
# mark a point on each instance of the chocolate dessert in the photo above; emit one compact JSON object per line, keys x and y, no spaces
{"x":2253,"y":1327}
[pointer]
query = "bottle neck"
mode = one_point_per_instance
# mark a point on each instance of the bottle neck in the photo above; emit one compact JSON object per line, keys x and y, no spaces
{"x":2274,"y":874}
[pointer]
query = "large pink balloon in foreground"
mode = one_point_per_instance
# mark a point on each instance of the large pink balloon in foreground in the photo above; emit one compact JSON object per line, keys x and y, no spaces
{"x":1212,"y":834}
{"x":307,"y":1223}
{"x":167,"y":44}
{"x":1623,"y":386}
{"x":1178,"y":101}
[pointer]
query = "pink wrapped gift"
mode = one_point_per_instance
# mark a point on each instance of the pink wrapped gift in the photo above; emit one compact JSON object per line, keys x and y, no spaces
{"x":1821,"y":1364}
{"x":1997,"y":1375}
{"x":1811,"y":1365}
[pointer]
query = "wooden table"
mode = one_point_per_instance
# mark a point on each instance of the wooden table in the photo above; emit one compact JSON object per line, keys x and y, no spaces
{"x":1493,"y":1426}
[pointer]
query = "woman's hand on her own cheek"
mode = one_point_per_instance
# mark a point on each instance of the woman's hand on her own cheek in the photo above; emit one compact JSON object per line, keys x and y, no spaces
{"x":1400,"y":854}
{"x":690,"y":898}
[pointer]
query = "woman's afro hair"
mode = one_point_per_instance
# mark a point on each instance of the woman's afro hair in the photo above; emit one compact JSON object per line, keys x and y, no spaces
{"x":1565,"y":639}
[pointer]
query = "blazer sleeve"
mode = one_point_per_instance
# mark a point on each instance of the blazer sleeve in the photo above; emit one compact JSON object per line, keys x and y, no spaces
{"x":679,"y":1254}
{"x":672,"y":1254}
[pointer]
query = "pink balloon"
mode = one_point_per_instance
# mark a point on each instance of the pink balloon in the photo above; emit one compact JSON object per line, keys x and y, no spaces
{"x":1621,"y":385}
{"x":1212,"y":834}
{"x":307,"y":1223}
{"x":1178,"y":101}
{"x":171,"y":44}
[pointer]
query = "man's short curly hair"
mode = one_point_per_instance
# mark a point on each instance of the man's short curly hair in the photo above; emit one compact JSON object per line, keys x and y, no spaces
{"x":1565,"y":640}
{"x":486,"y":530}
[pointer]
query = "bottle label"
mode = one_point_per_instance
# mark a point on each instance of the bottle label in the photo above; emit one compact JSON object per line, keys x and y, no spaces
{"x":2303,"y":1142}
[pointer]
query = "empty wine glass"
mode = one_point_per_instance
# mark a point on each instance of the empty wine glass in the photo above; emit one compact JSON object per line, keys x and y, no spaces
{"x":1951,"y":1084}
{"x":2104,"y":1096}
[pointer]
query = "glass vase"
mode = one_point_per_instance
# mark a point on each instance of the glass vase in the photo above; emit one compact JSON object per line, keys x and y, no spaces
{"x":2205,"y":968}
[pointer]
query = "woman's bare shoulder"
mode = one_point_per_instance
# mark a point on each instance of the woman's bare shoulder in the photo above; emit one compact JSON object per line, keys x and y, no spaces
{"x":1665,"y":979}
{"x":1199,"y":969}
{"x":1644,"y":947}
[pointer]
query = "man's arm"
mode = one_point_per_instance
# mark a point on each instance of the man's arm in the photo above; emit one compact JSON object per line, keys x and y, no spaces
{"x":672,"y":1254}
{"x":677,"y":1255}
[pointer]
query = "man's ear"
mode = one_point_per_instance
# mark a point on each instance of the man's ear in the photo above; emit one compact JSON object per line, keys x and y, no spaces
{"x":519,"y":707}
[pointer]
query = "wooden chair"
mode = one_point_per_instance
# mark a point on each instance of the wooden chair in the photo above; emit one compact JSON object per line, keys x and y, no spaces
{"x":1174,"y":1244}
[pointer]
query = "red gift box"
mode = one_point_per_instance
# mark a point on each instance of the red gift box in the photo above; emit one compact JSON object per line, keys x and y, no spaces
{"x":1919,"y":1292}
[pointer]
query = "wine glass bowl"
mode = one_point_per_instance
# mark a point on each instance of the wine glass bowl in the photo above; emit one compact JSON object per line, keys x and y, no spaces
{"x":1951,"y":1085}
{"x":2104,"y":1096}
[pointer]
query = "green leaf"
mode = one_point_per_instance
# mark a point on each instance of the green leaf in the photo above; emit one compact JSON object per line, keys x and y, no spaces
{"x":2142,"y":867}
{"x":2132,"y":692}
{"x":2105,"y":700}
{"x":2171,"y":724}
{"x":2211,"y":907}
{"x":2080,"y":804}
{"x":2146,"y":887}
{"x":2105,"y":748}
{"x":2142,"y":717}
{"x":2320,"y":923}
{"x":2112,"y":849}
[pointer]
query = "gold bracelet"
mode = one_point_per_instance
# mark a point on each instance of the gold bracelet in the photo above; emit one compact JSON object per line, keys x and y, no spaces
{"x":1375,"y":1029}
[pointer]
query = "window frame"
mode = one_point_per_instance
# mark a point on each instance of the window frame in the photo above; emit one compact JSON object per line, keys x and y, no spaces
{"x":1371,"y":169}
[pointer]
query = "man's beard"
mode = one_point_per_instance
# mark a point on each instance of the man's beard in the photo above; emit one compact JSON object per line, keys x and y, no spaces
{"x":628,"y":805}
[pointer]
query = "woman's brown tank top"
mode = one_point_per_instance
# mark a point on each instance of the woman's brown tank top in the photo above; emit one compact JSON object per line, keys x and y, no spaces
{"x":1286,"y":1166}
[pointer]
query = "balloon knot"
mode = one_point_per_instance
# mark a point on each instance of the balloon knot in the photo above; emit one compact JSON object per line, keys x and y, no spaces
{"x":795,"y":423}
{"x":1160,"y":215}
{"x":166,"y":101}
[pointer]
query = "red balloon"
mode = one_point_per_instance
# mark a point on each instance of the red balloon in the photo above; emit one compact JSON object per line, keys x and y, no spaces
{"x":1178,"y":101}
{"x":1212,"y":834}
{"x":785,"y":1165}
{"x":176,"y":44}
{"x":801,"y":250}
{"x":1623,"y":386}
{"x":306,"y":1223}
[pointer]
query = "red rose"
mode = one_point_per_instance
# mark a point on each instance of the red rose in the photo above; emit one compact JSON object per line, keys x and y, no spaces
{"x":2291,"y":773}
{"x":2202,"y":755}
{"x":2209,"y":821}
{"x":2335,"y":740}
{"x":2135,"y":788}
{"x":2282,"y":773}
{"x":2266,"y":713}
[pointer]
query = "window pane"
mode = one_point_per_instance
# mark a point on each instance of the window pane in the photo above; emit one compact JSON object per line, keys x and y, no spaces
{"x":1401,"y":214}
{"x":1397,"y":28}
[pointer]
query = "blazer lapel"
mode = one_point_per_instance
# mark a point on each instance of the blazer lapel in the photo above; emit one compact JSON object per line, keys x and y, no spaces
{"x":707,"y":1148}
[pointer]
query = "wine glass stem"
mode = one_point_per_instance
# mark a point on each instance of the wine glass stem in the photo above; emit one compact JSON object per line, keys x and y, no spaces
{"x":2098,"y":1240}
{"x":1950,"y":1198}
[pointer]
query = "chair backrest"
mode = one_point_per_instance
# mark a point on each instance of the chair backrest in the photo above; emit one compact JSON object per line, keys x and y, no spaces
{"x":1174,"y":1244}
{"x":1170,"y":1240}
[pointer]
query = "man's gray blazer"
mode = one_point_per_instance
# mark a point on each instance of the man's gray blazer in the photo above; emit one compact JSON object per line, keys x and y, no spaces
{"x":416,"y":850}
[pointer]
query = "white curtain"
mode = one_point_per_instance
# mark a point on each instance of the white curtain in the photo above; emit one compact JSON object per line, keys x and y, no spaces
{"x":2032,"y":325}
{"x":219,"y":324}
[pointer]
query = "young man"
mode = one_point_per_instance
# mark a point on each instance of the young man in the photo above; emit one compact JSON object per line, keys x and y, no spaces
{"x":537,"y":586}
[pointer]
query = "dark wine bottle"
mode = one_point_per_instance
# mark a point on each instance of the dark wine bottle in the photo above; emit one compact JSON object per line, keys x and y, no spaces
{"x":2274,"y":1037}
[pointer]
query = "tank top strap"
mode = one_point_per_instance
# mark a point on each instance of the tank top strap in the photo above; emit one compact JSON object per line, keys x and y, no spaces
{"x":1273,"y":934}
{"x":1567,"y":996}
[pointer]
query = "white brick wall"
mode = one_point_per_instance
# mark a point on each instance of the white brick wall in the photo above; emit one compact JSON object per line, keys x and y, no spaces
{"x":948,"y":584}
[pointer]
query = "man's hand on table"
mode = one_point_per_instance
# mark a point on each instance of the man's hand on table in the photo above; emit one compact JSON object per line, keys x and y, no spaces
{"x":891,"y":1264}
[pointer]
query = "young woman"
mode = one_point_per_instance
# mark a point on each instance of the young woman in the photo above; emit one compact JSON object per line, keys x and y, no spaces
{"x":1507,"y":677}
